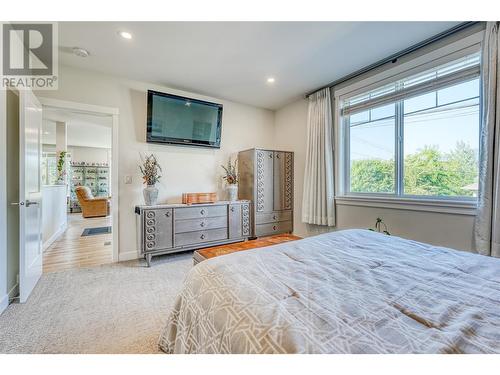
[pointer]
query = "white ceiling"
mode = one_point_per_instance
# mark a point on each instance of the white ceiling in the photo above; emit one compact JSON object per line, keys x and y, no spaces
{"x":85,"y":130}
{"x":232,"y":60}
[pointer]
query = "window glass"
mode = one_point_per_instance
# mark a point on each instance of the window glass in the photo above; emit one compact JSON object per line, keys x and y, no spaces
{"x":459,"y":92}
{"x":441,"y":150}
{"x":383,"y":112}
{"x":420,"y":102}
{"x":360,"y":117}
{"x":372,"y":151}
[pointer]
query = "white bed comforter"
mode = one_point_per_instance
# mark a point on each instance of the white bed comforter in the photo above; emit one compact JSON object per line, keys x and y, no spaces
{"x":351,"y":291}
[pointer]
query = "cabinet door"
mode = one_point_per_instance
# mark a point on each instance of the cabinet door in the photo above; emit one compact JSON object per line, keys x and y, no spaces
{"x":158,"y":229}
{"x":265,"y":181}
{"x":235,"y":223}
{"x":279,"y":181}
{"x":288,"y":181}
{"x":245,"y":218}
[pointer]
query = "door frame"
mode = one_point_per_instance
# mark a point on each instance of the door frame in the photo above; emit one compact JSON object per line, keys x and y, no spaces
{"x":4,"y":296}
{"x":114,"y":113}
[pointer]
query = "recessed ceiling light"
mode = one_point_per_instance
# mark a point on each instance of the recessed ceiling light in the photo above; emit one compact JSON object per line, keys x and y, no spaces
{"x":80,"y":52}
{"x":125,"y":34}
{"x":270,"y":80}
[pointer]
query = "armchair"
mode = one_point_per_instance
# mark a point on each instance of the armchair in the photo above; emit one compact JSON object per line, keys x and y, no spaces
{"x":91,"y":206}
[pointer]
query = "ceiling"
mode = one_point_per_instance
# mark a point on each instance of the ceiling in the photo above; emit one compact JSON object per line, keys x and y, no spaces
{"x":232,"y":60}
{"x":82,"y":129}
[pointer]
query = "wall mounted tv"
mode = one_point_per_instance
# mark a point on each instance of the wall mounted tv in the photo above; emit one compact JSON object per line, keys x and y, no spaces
{"x":178,"y":120}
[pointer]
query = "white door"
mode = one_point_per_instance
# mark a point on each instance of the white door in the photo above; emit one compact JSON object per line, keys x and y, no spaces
{"x":30,"y":193}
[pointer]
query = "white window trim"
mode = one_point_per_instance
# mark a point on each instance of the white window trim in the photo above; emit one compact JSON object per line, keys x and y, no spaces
{"x":453,"y":51}
{"x":449,"y":206}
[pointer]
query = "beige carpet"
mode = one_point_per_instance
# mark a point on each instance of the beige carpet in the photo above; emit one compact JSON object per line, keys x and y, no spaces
{"x":117,"y":308}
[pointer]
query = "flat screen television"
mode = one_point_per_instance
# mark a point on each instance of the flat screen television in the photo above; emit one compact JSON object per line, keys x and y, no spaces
{"x":178,"y":120}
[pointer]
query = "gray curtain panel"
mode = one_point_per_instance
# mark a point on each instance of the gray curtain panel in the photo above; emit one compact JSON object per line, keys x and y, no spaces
{"x":318,"y":199}
{"x":487,"y":225}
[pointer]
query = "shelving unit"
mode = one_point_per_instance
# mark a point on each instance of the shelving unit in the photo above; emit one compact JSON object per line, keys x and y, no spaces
{"x":96,"y":177}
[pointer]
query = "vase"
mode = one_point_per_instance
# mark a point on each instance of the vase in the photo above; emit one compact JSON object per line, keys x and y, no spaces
{"x":150,"y":195}
{"x":232,"y":192}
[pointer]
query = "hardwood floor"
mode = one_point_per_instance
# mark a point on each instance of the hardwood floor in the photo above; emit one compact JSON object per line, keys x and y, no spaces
{"x":72,"y":250}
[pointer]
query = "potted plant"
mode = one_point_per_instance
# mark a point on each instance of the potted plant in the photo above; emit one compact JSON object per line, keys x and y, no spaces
{"x":231,"y":177}
{"x":150,"y":170}
{"x":61,"y":170}
{"x":380,"y":227}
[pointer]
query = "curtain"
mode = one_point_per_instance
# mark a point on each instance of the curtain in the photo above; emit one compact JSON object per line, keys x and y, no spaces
{"x":318,"y":199}
{"x":487,"y":225}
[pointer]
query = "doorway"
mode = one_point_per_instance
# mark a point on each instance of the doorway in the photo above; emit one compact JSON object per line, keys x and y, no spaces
{"x":79,"y":177}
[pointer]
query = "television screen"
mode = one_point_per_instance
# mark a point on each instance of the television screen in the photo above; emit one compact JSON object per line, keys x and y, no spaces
{"x":178,"y":120}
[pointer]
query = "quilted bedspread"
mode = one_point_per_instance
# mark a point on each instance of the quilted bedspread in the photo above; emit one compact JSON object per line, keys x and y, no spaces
{"x":352,"y":291}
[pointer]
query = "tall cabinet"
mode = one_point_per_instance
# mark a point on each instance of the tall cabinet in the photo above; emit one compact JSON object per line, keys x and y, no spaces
{"x":266,"y":178}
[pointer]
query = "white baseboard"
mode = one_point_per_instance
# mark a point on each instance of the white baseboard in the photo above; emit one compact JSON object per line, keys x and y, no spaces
{"x":128,"y":255}
{"x":54,"y":237}
{"x":4,"y":302}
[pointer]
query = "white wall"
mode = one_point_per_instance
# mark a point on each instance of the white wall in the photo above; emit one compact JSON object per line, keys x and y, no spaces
{"x":54,"y":218}
{"x":90,"y":154}
{"x":185,"y":169}
{"x":451,"y":230}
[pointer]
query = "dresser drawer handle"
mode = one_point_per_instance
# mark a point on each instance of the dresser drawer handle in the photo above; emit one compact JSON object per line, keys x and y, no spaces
{"x":202,"y":224}
{"x":202,"y":237}
{"x":270,"y":156}
{"x":274,"y":227}
{"x":202,"y":212}
{"x":274,"y":217}
{"x":167,"y":214}
{"x":232,"y":209}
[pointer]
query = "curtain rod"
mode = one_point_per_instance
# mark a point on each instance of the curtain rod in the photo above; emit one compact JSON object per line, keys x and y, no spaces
{"x":396,"y":56}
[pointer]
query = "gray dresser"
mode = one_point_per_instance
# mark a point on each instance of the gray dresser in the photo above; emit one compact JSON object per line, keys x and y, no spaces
{"x":266,"y":179}
{"x":171,"y":228}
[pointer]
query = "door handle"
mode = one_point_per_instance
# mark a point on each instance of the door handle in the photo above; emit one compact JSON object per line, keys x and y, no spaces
{"x":30,"y":203}
{"x":17,"y":204}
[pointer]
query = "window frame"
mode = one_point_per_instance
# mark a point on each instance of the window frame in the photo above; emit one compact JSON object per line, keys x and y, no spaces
{"x":466,"y":205}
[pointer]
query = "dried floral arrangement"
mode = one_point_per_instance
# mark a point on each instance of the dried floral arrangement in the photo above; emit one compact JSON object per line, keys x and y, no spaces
{"x":230,"y":173}
{"x":150,"y":169}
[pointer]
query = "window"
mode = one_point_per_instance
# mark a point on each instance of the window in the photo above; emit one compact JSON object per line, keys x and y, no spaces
{"x":416,"y":137}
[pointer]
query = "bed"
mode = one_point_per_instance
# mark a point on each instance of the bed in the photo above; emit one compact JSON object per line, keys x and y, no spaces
{"x":352,"y":291}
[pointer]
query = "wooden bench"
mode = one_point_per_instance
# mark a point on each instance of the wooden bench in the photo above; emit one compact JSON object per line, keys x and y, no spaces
{"x":212,"y":252}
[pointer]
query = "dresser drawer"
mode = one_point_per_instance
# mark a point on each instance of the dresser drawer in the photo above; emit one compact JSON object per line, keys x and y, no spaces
{"x":273,"y":228}
{"x":190,"y":238}
{"x":273,"y":217}
{"x":199,"y":212}
{"x":191,"y":225}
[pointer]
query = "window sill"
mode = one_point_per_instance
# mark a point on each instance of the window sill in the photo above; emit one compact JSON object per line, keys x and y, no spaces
{"x":411,"y":204}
